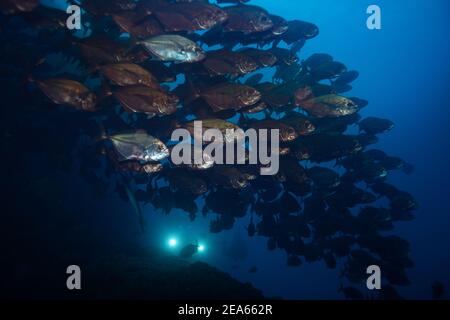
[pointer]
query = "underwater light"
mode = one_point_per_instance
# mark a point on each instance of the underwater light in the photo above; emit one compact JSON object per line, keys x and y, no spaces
{"x":173,"y":242}
{"x":201,"y":248}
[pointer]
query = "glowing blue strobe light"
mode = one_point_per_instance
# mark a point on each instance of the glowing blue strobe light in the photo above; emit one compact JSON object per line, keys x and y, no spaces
{"x":173,"y":242}
{"x":201,"y":248}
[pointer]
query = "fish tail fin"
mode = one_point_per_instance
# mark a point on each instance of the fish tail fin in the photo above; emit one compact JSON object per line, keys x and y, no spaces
{"x":134,"y":43}
{"x":192,"y":93}
{"x":40,"y":61}
{"x":243,"y":121}
{"x":103,"y":134}
{"x":25,"y":81}
{"x":105,"y":91}
{"x":175,"y":124}
{"x":93,"y":69}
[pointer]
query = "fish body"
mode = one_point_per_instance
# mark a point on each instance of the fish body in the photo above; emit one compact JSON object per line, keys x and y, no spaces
{"x":298,"y":30}
{"x":328,"y":70}
{"x":142,"y":99}
{"x":173,"y":48}
{"x":138,"y":146}
{"x":302,"y":125}
{"x":224,"y":62}
{"x":373,"y":125}
{"x":229,"y":131}
{"x":188,"y":183}
{"x":287,"y":133}
{"x":262,"y":57}
{"x":330,"y":106}
{"x":230,"y":96}
{"x":137,"y":167}
{"x":191,"y":16}
{"x":247,"y":19}
{"x":138,"y":24}
{"x":294,"y":171}
{"x":68,"y":92}
{"x":228,"y":177}
{"x":14,"y":6}
{"x":129,"y":74}
{"x":107,"y":7}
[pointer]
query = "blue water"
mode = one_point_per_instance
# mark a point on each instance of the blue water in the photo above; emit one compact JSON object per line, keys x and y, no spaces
{"x":404,"y":71}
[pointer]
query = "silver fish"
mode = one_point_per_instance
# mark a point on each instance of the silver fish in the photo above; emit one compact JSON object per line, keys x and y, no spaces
{"x":173,"y":48}
{"x":139,"y":146}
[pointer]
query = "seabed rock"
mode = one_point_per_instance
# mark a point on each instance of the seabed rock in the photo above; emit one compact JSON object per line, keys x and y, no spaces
{"x":133,"y":277}
{"x":124,"y":278}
